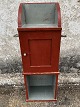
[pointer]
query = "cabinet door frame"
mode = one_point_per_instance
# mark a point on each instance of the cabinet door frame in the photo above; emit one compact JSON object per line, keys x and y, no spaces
{"x":54,"y":36}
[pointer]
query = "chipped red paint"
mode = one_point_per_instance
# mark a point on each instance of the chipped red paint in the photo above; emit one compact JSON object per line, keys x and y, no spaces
{"x":26,"y":86}
{"x":38,"y":29}
{"x":26,"y":34}
{"x":41,"y":100}
{"x":59,"y":14}
{"x":56,"y":88}
{"x":19,"y":15}
{"x":41,"y":73}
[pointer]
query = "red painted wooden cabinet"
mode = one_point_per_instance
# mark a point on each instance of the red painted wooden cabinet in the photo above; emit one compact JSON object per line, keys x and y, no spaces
{"x":39,"y":29}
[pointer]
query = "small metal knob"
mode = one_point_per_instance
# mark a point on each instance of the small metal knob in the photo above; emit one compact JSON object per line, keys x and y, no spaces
{"x":24,"y":54}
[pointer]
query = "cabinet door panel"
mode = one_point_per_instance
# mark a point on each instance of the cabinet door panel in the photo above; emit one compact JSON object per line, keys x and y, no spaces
{"x":40,"y":51}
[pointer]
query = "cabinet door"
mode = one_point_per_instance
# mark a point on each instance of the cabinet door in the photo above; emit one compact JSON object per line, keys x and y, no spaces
{"x":40,"y":51}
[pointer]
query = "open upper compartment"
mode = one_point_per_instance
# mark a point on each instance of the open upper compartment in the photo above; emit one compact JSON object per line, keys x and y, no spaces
{"x":39,"y":15}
